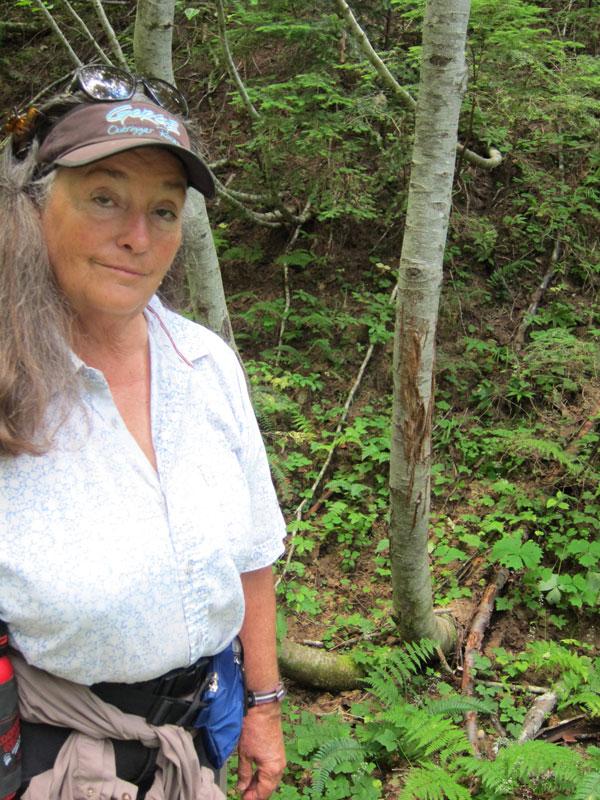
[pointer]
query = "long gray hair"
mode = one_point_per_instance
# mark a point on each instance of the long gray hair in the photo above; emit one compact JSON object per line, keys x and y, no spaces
{"x":35,"y":320}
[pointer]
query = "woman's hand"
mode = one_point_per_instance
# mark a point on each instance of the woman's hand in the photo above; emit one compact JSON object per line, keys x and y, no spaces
{"x":260,"y":749}
{"x":261,"y":756}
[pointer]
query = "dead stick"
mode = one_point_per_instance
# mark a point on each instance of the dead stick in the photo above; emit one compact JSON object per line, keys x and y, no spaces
{"x":538,"y":712}
{"x":473,"y":646}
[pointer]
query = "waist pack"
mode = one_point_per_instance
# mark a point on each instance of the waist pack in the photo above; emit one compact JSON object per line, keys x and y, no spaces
{"x":217,"y":706}
{"x":225,"y":702}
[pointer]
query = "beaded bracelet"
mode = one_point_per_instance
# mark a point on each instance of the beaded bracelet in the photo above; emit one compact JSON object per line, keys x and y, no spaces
{"x":274,"y":695}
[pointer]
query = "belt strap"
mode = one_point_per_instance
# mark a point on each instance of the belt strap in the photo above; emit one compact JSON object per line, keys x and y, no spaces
{"x":159,"y":701}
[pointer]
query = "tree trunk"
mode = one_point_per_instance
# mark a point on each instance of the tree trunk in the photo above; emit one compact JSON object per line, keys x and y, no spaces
{"x":442,"y":84}
{"x":152,"y":42}
{"x":153,"y":38}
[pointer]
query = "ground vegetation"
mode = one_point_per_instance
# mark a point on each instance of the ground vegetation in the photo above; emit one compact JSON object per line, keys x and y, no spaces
{"x":311,"y":145}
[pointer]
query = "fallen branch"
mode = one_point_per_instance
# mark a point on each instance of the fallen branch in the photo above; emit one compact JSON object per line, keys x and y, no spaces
{"x":286,"y":286}
{"x":473,"y":648}
{"x":554,"y":259}
{"x":538,"y":712}
{"x":20,"y":27}
{"x":538,"y":295}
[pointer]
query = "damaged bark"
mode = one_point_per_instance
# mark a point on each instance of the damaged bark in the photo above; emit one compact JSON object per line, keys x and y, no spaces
{"x":442,"y":84}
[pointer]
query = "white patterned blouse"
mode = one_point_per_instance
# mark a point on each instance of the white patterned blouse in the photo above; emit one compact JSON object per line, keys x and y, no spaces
{"x":112,"y":572}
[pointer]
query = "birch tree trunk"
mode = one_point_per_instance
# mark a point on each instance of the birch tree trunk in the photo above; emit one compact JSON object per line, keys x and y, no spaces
{"x":442,"y":84}
{"x":152,"y":43}
{"x":153,"y":38}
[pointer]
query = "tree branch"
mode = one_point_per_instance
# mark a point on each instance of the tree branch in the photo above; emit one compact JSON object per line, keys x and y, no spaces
{"x":54,"y":25}
{"x":271,"y":219}
{"x":86,"y":32}
{"x":300,"y":510}
{"x":112,"y":38}
{"x":285,"y":214}
{"x":344,"y":10}
{"x":235,"y":75}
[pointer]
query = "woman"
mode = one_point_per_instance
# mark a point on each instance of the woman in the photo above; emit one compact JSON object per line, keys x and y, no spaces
{"x":138,"y":522}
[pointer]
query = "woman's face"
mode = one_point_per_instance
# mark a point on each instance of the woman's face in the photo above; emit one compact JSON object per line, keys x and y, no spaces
{"x":112,"y":230}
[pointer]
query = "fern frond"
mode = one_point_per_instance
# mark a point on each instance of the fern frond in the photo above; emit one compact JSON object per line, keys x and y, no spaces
{"x":526,"y":764}
{"x":331,"y":755}
{"x":456,"y":704}
{"x":588,"y":787}
{"x":395,"y":668}
{"x":434,"y":735}
{"x":589,"y":699}
{"x":431,"y":782}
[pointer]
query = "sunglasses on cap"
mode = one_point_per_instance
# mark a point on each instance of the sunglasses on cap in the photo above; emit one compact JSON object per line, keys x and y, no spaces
{"x":106,"y":84}
{"x":103,"y":84}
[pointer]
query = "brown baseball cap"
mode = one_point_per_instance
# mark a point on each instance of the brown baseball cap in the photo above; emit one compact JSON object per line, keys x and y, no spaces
{"x":94,"y":131}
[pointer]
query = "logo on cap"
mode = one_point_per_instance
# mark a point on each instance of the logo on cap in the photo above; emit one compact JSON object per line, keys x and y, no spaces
{"x":121,"y":114}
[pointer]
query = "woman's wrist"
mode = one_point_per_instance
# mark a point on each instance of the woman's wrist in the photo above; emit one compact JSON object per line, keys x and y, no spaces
{"x":274,"y":694}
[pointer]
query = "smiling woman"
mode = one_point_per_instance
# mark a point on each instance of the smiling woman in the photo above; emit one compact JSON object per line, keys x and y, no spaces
{"x":138,"y":520}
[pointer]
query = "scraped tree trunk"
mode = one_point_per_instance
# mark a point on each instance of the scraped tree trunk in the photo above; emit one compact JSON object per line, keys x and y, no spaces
{"x":442,"y":84}
{"x":152,"y":42}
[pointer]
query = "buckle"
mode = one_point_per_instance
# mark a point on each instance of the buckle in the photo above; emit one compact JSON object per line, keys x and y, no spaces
{"x":167,"y":711}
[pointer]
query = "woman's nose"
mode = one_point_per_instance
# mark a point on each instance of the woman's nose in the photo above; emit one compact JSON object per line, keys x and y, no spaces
{"x":135,"y":234}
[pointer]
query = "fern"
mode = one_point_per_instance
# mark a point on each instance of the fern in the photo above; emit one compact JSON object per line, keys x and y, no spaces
{"x":428,"y":736}
{"x":588,"y":788}
{"x":394,"y":668}
{"x":530,"y":764}
{"x":456,"y":704}
{"x":431,"y":782}
{"x":332,"y":755}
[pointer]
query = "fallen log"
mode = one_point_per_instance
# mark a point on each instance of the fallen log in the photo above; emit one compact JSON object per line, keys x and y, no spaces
{"x":473,"y":647}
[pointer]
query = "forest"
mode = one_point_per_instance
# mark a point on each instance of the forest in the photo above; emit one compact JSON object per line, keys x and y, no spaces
{"x":489,"y":687}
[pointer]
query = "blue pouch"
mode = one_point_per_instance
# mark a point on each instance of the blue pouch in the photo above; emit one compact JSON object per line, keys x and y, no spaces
{"x":220,"y":722}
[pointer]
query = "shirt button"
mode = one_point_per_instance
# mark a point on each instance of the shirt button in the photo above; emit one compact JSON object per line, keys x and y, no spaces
{"x":115,"y":422}
{"x":126,"y":796}
{"x":189,"y":568}
{"x":90,"y":792}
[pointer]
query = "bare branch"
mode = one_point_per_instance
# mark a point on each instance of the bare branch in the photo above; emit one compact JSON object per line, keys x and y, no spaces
{"x":284,"y":213}
{"x":376,"y":62}
{"x":112,"y":38}
{"x":473,"y":648}
{"x":235,"y":75}
{"x":86,"y":32}
{"x":54,"y":25}
{"x":272,"y":219}
{"x":344,"y":10}
{"x":538,"y":712}
{"x":286,"y":283}
{"x":300,"y":510}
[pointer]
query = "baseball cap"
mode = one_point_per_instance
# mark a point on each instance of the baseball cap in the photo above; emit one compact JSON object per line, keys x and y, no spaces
{"x":93,"y":131}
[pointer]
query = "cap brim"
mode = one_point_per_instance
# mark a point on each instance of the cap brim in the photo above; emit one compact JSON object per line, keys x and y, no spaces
{"x":197,"y":172}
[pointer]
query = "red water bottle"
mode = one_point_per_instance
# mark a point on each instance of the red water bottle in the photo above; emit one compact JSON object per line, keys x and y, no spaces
{"x":10,"y":733}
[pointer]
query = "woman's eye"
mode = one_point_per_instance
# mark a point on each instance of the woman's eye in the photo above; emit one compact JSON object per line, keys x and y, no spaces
{"x":104,"y":201}
{"x":167,"y":214}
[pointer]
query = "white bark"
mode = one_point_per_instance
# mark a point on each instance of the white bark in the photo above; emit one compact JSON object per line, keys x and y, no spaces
{"x":152,"y":51}
{"x":153,"y":38}
{"x":442,"y":84}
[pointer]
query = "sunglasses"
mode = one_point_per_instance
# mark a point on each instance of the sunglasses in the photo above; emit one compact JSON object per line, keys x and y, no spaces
{"x":105,"y":84}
